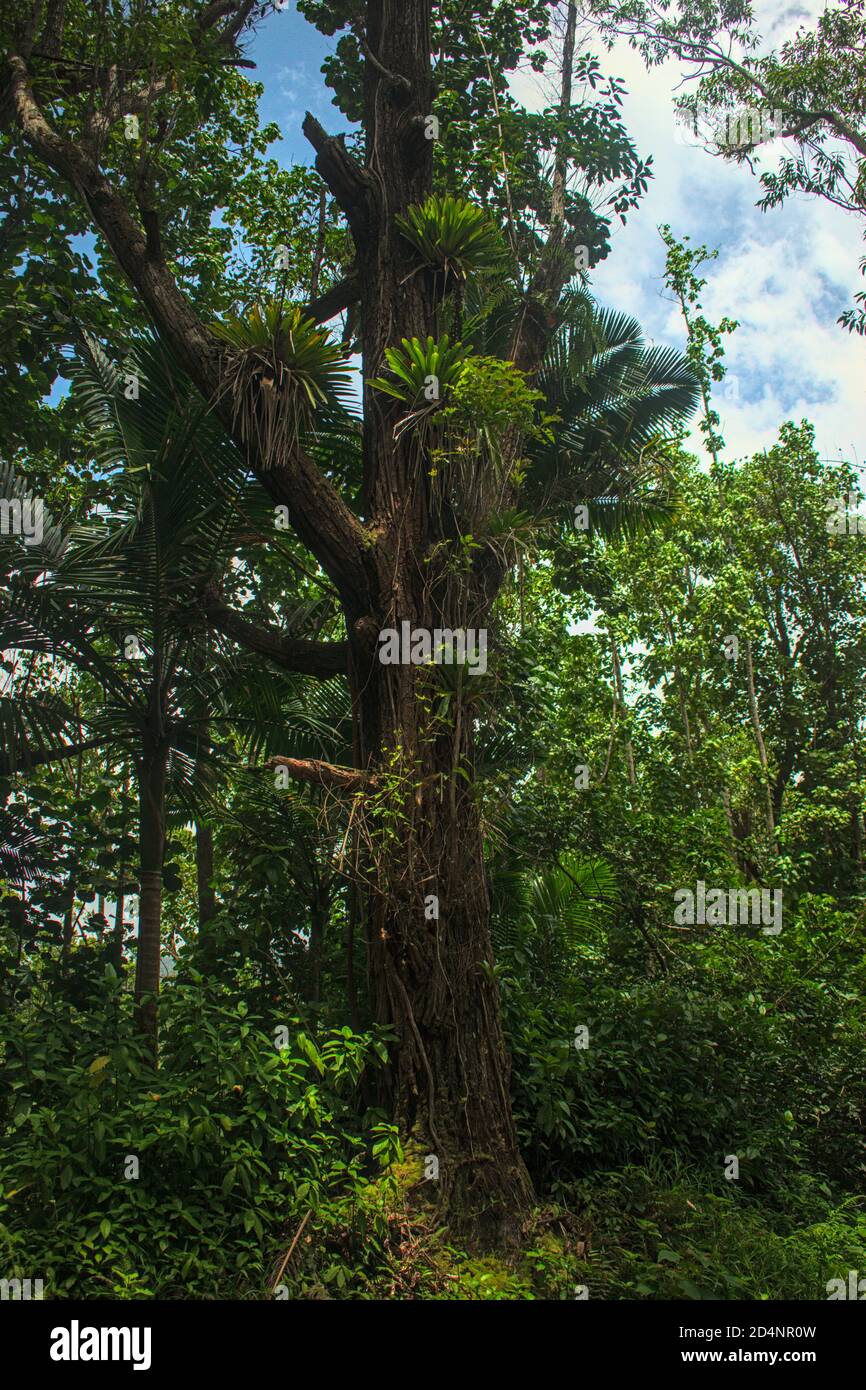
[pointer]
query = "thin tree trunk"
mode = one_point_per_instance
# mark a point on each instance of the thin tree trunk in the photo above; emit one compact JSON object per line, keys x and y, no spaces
{"x":620,"y":696}
{"x":681,"y":691}
{"x":119,"y":933}
{"x":152,"y":778}
{"x":560,"y":167}
{"x":318,"y":914}
{"x":69,"y":915}
{"x":204,"y":870}
{"x":117,"y":951}
{"x":319,"y":255}
{"x":351,"y":981}
{"x":761,"y":746}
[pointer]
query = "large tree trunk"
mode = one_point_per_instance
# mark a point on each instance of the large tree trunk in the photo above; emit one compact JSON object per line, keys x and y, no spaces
{"x":431,"y":963}
{"x":152,"y":776}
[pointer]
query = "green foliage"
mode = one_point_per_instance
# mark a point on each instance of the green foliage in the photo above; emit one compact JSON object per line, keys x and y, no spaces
{"x":493,"y":396}
{"x":691,"y":1065}
{"x":427,"y":370}
{"x":663,"y":1233}
{"x":235,"y":1142}
{"x":613,"y":402}
{"x":453,"y":236}
{"x":705,"y":349}
{"x":475,"y":401}
{"x":290,"y":355}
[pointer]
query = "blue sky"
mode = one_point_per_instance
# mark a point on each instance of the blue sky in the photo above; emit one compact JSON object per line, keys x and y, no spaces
{"x":288,"y":53}
{"x":786,"y":275}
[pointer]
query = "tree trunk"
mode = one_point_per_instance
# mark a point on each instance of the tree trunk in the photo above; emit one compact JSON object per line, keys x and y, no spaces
{"x":560,"y":167}
{"x":755,"y":717}
{"x":427,"y":907}
{"x":152,"y":776}
{"x":318,"y":917}
{"x":69,"y":915}
{"x":207,"y":903}
{"x":119,"y":933}
{"x":623,"y":708}
{"x":431,"y":964}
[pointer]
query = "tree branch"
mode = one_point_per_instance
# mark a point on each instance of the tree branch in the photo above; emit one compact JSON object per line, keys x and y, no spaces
{"x":346,"y":779}
{"x":351,"y":185}
{"x":197,"y":348}
{"x":334,"y":300}
{"x":322,"y":521}
{"x":323,"y":660}
{"x":10,"y":764}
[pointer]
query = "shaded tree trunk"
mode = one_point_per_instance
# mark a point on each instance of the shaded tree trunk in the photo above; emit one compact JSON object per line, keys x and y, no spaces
{"x":319,"y":903}
{"x":151,"y":781}
{"x":119,"y":933}
{"x":204,"y":871}
{"x":69,"y":914}
{"x":428,"y":936}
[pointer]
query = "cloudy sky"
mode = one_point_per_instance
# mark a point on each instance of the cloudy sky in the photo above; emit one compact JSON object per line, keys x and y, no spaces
{"x":786,"y":274}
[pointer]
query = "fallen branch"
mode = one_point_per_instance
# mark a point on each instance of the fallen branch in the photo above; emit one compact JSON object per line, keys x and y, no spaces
{"x":290,"y":1252}
{"x":347,"y":779}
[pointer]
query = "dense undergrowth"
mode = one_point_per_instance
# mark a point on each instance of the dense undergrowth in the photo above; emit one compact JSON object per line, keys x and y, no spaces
{"x":250,"y":1165}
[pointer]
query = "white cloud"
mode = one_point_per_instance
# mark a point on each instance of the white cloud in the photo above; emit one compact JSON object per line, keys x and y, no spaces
{"x":785,"y":275}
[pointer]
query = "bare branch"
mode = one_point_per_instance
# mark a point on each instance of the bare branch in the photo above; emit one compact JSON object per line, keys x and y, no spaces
{"x":351,"y":185}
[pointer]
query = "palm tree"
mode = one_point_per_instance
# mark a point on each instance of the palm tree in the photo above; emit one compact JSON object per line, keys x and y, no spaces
{"x":118,"y":600}
{"x":543,"y":917}
{"x":617,"y":400}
